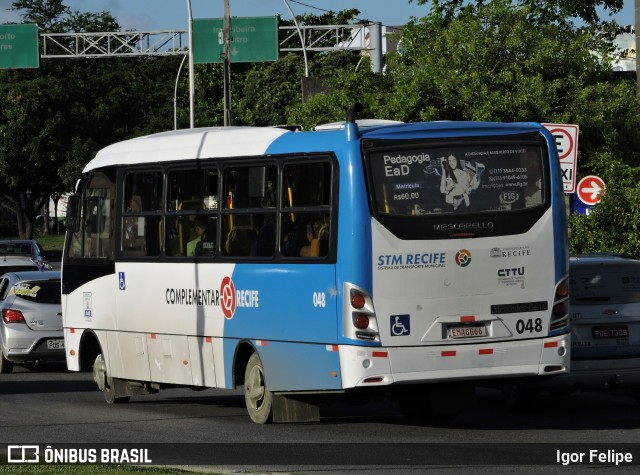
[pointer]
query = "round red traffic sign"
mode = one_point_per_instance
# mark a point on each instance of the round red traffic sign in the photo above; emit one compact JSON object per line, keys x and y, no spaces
{"x":564,"y":142}
{"x":590,"y":189}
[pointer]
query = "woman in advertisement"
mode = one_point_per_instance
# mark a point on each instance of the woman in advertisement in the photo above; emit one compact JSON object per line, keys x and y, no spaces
{"x":455,"y":184}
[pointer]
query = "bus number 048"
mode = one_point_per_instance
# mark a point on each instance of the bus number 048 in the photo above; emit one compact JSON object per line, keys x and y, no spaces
{"x":529,"y":325}
{"x":319,"y":299}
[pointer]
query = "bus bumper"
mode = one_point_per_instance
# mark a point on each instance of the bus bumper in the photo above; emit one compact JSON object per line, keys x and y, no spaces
{"x":361,"y":367}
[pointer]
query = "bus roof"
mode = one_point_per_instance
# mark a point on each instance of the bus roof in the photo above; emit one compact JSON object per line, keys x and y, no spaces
{"x":194,"y":143}
{"x":212,"y":142}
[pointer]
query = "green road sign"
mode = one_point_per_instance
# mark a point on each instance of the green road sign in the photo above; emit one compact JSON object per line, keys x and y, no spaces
{"x":19,"y":46}
{"x":253,"y":39}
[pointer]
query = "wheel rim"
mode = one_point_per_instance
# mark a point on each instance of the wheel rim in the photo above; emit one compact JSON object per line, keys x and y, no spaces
{"x":255,"y":388}
{"x":100,"y":372}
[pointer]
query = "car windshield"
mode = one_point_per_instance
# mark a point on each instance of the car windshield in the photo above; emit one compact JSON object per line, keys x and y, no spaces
{"x":15,"y":249}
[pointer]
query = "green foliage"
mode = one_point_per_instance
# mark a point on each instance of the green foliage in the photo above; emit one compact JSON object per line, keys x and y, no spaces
{"x":613,"y":224}
{"x":542,"y":12}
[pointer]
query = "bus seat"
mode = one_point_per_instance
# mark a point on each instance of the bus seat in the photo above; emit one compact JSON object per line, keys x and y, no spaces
{"x":240,"y":240}
{"x":318,"y":246}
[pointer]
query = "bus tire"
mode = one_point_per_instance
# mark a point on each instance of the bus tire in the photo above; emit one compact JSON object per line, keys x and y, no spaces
{"x":257,"y":397}
{"x":6,"y":366}
{"x":106,"y":383}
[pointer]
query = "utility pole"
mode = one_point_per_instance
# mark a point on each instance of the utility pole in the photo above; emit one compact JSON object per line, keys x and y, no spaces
{"x":227,"y":65}
{"x":636,"y":33}
{"x":191,"y":70}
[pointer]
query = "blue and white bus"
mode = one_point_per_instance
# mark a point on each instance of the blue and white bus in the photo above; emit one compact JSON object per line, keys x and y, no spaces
{"x":405,"y":260}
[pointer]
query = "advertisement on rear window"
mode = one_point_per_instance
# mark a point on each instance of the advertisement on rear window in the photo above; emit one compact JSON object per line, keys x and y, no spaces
{"x":468,"y":179}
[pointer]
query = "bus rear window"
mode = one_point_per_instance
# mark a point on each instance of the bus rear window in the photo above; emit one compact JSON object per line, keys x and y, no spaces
{"x":410,"y":179}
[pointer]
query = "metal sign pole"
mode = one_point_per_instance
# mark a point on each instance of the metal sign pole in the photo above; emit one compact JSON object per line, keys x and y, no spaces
{"x":227,"y":65}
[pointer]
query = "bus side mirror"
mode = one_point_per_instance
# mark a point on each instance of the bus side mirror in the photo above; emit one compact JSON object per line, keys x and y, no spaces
{"x":73,"y":214}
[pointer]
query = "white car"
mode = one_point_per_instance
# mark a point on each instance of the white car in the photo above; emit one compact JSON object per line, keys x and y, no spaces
{"x":31,"y":318}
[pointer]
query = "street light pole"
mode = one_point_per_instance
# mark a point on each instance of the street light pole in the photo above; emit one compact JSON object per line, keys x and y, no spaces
{"x":304,"y":49}
{"x":227,"y":64}
{"x":175,"y":95}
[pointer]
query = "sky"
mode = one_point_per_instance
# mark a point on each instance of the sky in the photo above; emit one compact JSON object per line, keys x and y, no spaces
{"x":145,"y":15}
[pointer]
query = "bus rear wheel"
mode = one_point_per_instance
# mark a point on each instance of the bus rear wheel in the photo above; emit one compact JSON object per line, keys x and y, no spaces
{"x":257,"y":397}
{"x":6,"y":366}
{"x":106,"y":383}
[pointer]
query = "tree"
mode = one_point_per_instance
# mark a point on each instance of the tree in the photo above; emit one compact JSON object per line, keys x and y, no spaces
{"x":542,"y":12}
{"x":262,"y":93}
{"x":53,"y":119}
{"x":613,"y":224}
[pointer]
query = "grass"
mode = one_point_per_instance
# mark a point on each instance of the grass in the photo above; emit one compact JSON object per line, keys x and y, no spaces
{"x":51,"y":242}
{"x":26,"y":469}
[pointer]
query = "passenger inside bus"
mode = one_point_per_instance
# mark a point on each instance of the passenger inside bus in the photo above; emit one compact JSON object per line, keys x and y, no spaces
{"x":194,"y":247}
{"x":317,"y":234}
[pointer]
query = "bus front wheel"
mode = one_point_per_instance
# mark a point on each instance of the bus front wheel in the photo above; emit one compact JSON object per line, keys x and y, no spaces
{"x":106,"y":383}
{"x":257,"y":397}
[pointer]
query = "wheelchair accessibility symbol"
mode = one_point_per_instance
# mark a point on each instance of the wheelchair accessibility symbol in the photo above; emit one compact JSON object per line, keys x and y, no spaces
{"x":400,"y":325}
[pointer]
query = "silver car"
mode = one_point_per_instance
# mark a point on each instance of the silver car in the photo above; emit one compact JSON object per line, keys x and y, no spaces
{"x":604,"y":301}
{"x":605,"y":319}
{"x":31,"y":323}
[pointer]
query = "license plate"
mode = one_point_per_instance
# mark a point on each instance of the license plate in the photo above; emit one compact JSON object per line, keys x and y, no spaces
{"x":610,"y":331}
{"x":55,"y":344}
{"x":467,"y":331}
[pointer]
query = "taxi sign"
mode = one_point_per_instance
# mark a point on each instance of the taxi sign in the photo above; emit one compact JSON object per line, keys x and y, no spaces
{"x":566,"y":137}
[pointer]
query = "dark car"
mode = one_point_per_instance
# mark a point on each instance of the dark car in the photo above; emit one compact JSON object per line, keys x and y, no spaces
{"x":31,"y":318}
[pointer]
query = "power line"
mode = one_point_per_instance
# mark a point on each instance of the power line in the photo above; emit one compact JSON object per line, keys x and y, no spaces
{"x":362,"y":20}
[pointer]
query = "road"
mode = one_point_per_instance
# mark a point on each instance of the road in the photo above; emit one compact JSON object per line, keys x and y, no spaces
{"x":50,"y":406}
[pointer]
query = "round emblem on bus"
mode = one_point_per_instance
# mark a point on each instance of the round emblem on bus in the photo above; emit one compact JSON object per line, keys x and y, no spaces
{"x":463,"y":258}
{"x":227,"y":297}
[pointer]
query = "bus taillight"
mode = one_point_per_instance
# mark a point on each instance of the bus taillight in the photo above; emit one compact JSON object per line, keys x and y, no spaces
{"x":360,"y":318}
{"x":360,"y":321}
{"x":357,"y":300}
{"x":562,"y":291}
{"x":560,"y":313}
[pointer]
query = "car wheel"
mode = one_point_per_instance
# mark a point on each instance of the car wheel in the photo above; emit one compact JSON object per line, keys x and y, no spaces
{"x":257,"y":397}
{"x":6,"y":366}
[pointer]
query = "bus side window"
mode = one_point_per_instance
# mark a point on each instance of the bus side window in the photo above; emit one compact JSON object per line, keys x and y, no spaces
{"x":306,"y":210}
{"x":192,"y":198}
{"x":249,"y":214}
{"x":141,"y":222}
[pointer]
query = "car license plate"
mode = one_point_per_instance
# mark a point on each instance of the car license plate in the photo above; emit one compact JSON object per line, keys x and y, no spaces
{"x":467,"y":331}
{"x":610,"y":331}
{"x":55,"y":344}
